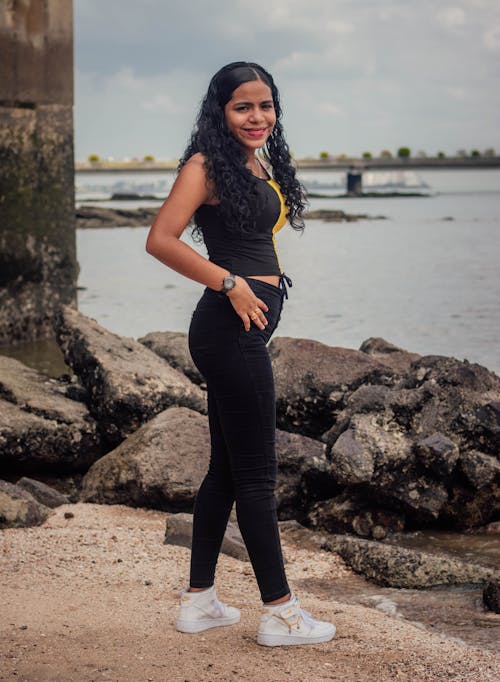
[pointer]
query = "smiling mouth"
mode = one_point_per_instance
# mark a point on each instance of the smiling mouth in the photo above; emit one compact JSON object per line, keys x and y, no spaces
{"x":256,"y":132}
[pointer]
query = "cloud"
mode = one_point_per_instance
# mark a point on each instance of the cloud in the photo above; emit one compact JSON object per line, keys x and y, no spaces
{"x":457,"y":93}
{"x":491,"y":38}
{"x":451,"y":17}
{"x":128,"y":114}
{"x":161,"y":102}
{"x":369,"y":74}
{"x":330,"y":108}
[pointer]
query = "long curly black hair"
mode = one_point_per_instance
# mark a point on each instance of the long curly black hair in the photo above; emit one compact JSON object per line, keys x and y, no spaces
{"x":225,"y":158}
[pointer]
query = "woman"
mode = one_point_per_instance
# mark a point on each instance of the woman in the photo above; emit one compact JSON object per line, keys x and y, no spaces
{"x":237,"y":207}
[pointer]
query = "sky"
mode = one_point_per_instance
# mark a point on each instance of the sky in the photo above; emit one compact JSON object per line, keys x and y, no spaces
{"x":354,"y":75}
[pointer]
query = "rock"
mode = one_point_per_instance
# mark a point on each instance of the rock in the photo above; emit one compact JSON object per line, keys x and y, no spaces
{"x":297,"y":534}
{"x":127,"y":383}
{"x":394,"y":566}
{"x":304,"y":474}
{"x":438,"y":453}
{"x":19,"y":509}
{"x":479,"y":469}
{"x":173,"y":347}
{"x":350,"y":461}
{"x":423,"y":499}
{"x":488,"y":420}
{"x":352,"y":512}
{"x":336,"y":216}
{"x":41,"y":428}
{"x":312,"y":379}
{"x":424,"y":445}
{"x":163,"y":463}
{"x":369,"y":398}
{"x":43,"y":493}
{"x":393,"y":356}
{"x":491,"y":595}
{"x":374,"y":450}
{"x":459,"y":401}
{"x":179,"y":531}
{"x":465,"y":510}
{"x":376,"y":453}
{"x":447,"y":371}
{"x":98,"y":216}
{"x":492,"y":528}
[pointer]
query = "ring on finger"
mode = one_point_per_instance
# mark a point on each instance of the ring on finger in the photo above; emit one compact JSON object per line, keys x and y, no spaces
{"x":253,"y":316}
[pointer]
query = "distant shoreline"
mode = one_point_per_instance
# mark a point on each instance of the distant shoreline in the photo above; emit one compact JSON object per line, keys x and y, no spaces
{"x":309,"y":164}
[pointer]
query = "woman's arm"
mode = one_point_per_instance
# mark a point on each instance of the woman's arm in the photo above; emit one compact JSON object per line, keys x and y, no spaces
{"x":189,"y":191}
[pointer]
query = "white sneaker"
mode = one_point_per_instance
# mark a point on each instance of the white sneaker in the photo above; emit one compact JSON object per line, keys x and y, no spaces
{"x":202,"y":610}
{"x":287,"y":623}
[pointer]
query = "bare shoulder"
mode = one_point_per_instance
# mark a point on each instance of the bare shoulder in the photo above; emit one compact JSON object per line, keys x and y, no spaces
{"x":194,"y":171}
{"x":197,"y":161}
{"x":197,"y":158}
{"x":191,"y":186}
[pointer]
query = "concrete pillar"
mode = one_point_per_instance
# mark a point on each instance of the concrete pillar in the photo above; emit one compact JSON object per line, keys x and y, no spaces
{"x":354,"y":183}
{"x":38,"y":267}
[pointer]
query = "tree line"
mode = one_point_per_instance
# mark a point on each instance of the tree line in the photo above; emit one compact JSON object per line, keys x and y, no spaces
{"x":406,"y":153}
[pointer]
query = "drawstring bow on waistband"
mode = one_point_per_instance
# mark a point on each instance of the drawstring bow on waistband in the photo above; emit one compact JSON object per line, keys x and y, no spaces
{"x":285,"y":282}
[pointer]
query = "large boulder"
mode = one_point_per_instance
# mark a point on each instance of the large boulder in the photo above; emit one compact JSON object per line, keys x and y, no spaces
{"x":18,"y":508}
{"x":426,"y":447}
{"x":163,"y":463}
{"x":462,"y":400}
{"x":41,"y":428}
{"x":127,"y":383}
{"x":173,"y":347}
{"x":312,"y":380}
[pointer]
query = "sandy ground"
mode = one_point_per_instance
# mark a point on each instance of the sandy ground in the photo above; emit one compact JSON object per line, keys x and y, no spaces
{"x":94,"y":597}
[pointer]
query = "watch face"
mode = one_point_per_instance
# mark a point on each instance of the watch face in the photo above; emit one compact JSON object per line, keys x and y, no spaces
{"x":228,"y":283}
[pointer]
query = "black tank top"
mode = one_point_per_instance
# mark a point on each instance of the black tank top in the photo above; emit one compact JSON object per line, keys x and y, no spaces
{"x":246,"y":253}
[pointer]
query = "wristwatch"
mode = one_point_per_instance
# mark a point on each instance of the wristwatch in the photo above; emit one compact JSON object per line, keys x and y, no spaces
{"x":228,"y":283}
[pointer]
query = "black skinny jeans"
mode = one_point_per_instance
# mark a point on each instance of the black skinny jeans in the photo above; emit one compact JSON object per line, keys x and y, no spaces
{"x":242,"y":418}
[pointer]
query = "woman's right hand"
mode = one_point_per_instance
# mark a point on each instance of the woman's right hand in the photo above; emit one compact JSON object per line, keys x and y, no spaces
{"x":247,"y":305}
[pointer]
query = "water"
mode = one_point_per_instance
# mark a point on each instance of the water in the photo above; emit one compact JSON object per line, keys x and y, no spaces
{"x":426,"y":279}
{"x":478,"y":548}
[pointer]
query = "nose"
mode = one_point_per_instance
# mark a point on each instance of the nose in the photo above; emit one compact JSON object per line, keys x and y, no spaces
{"x":256,"y":114}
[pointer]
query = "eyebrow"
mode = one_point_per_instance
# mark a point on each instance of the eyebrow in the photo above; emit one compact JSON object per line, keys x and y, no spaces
{"x":264,"y":101}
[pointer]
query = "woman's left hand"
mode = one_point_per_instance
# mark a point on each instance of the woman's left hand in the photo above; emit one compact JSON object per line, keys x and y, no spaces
{"x":247,"y":305}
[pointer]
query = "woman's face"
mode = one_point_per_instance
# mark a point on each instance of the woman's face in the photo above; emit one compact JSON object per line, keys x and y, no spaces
{"x":250,"y":115}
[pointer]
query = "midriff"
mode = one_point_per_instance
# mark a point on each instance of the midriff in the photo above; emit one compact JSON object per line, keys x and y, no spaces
{"x":270,"y":279}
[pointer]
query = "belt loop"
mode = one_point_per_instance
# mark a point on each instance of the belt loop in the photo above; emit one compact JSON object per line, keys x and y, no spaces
{"x":285,"y":282}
